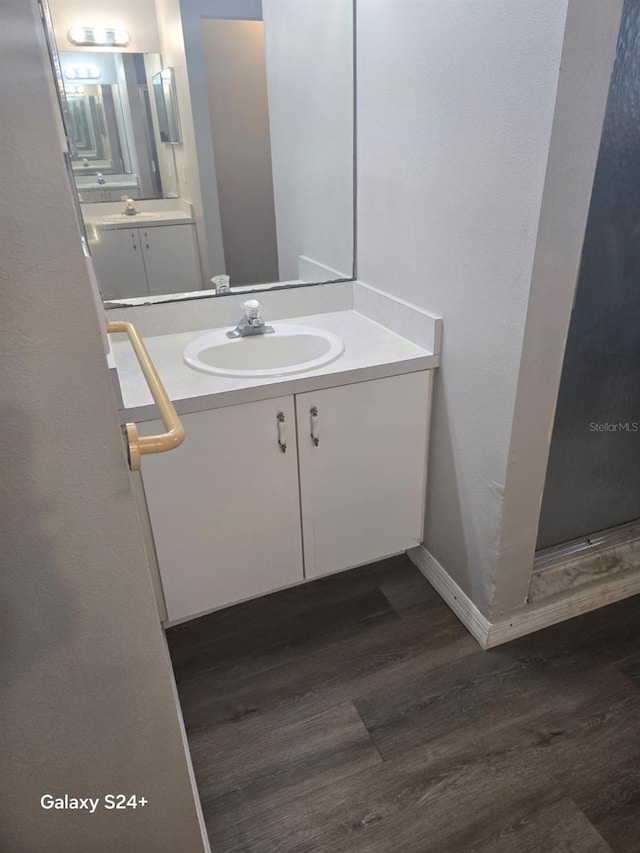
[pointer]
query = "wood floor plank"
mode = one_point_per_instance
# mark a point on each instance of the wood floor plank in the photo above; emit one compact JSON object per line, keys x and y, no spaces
{"x":497,"y":773}
{"x":407,"y":591}
{"x":600,"y":769}
{"x":631,"y":668}
{"x":400,"y":804}
{"x":401,"y":715}
{"x":558,"y":828}
{"x":328,"y":672}
{"x":614,"y":810}
{"x":263,"y":623}
{"x":534,"y":746}
{"x":256,"y":640}
{"x":259,"y":755}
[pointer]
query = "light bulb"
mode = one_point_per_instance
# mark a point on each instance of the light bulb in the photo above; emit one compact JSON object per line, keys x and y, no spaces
{"x":77,"y":34}
{"x":120,"y":37}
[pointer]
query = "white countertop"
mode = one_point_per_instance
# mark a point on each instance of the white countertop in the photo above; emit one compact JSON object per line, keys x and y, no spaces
{"x":371,"y":352}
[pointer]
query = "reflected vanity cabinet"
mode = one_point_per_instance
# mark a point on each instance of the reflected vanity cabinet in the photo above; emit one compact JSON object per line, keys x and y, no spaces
{"x":146,"y":260}
{"x":267,"y":494}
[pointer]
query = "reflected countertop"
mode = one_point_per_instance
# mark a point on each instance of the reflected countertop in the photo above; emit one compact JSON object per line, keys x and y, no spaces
{"x":151,"y":212}
{"x":145,"y":219}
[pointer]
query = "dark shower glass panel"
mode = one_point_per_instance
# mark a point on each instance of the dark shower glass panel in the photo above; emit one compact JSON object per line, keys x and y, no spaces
{"x":593,"y":477}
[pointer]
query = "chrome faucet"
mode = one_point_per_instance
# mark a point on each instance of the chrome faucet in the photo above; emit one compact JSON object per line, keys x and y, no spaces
{"x":252,"y":322}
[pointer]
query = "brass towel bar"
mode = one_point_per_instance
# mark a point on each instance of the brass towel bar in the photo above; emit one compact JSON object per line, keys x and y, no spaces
{"x":174,"y":435}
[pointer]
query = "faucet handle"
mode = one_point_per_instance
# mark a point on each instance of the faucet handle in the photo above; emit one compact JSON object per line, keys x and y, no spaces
{"x":252,"y":309}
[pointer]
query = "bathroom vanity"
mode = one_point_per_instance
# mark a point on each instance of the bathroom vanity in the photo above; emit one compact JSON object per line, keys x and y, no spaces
{"x":239,"y":157}
{"x":145,"y":253}
{"x":285,"y":478}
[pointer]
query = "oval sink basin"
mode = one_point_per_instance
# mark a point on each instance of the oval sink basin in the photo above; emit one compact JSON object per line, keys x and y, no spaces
{"x":289,"y":349}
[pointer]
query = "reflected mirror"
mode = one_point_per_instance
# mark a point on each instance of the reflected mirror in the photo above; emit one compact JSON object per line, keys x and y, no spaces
{"x":166,"y":106}
{"x":114,"y":153}
{"x":217,"y":145}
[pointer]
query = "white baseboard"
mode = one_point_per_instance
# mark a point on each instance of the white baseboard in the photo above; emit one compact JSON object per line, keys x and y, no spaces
{"x":466,"y":611}
{"x":525,"y":620}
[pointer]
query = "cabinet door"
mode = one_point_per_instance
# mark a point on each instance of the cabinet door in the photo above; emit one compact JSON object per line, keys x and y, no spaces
{"x":171,"y":258}
{"x":224,"y":507}
{"x":117,"y":256}
{"x":362,"y":455}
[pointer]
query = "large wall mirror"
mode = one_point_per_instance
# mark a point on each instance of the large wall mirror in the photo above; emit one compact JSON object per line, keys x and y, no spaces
{"x":212,"y":142}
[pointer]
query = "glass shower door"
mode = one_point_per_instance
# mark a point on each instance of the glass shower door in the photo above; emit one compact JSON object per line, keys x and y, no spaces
{"x":593,"y":476}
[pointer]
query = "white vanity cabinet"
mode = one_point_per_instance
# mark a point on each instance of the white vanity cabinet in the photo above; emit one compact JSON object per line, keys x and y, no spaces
{"x":362,"y":451}
{"x":119,"y":265}
{"x":230,"y":510}
{"x":146,"y":260}
{"x":224,"y":507}
{"x":171,"y":258}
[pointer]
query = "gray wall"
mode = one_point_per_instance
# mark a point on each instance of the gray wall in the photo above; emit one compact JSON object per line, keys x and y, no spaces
{"x":87,"y":695}
{"x":182,"y":47}
{"x":196,"y":179}
{"x":239,"y":114}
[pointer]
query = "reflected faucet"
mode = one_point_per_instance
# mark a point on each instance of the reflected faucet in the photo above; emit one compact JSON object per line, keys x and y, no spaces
{"x":252,"y":322}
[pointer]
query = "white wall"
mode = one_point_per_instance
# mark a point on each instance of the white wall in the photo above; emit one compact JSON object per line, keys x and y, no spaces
{"x":467,"y":120}
{"x":165,"y":152}
{"x":309,"y":56}
{"x":103,"y":62}
{"x":136,"y":16}
{"x":455,"y":106}
{"x":87,"y":695}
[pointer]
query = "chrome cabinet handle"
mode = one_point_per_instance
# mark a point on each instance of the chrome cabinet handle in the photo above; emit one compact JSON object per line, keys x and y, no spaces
{"x":133,"y":237}
{"x":313,"y":412}
{"x":282,"y":436}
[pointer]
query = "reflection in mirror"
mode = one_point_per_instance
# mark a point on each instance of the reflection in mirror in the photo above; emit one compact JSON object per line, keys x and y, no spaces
{"x":87,"y":115}
{"x":111,"y":132}
{"x":166,"y":106}
{"x":219,"y":142}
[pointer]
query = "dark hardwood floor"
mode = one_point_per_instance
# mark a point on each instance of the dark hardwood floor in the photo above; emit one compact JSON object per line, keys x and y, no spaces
{"x":356,"y":715}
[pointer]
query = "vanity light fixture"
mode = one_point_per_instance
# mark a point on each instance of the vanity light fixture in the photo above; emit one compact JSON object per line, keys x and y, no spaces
{"x":74,"y":90}
{"x":98,"y":36}
{"x":79,"y":72}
